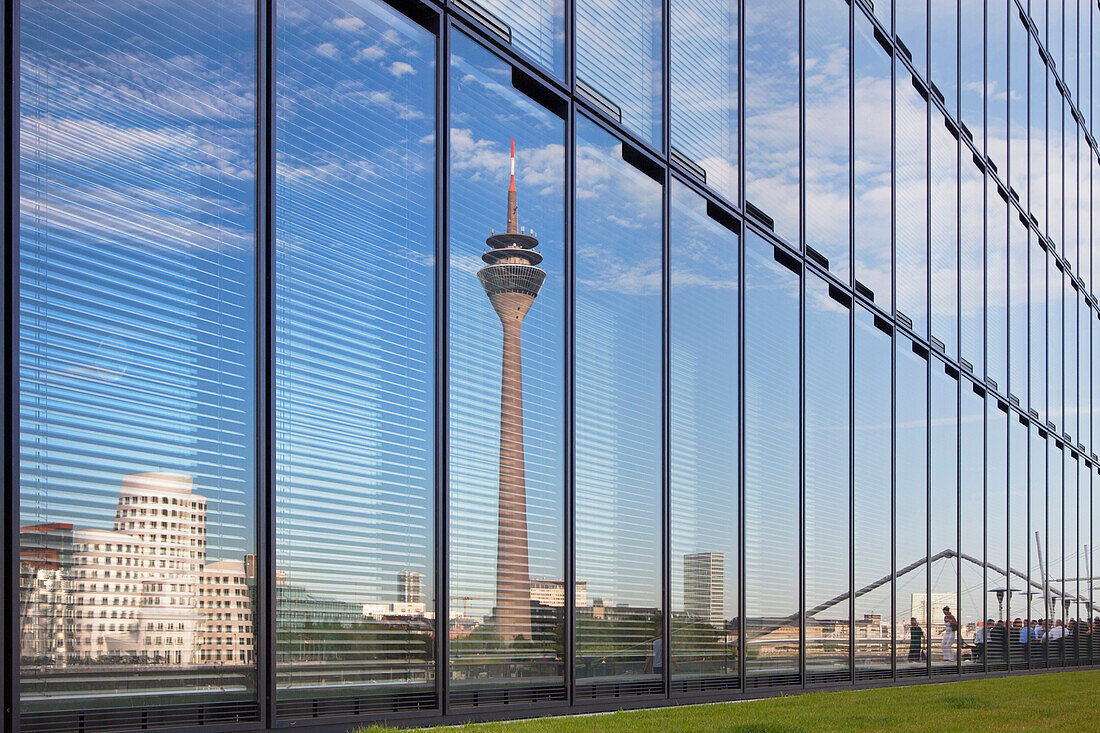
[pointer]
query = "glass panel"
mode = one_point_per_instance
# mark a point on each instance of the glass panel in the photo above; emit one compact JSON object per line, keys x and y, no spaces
{"x":883,"y":10}
{"x":507,"y":366}
{"x":873,"y":497}
{"x":827,"y":152}
{"x":703,"y":79}
{"x":827,"y":483}
{"x":136,"y":356}
{"x":997,"y":584}
{"x":355,"y":379}
{"x":996,"y":285}
{"x":771,"y":112}
{"x":535,"y":27}
{"x":704,"y":442}
{"x":771,"y":467}
{"x":1068,"y":242}
{"x":911,"y":511}
{"x":618,"y":414}
{"x":972,"y":69}
{"x":1055,"y":614}
{"x":911,"y":28}
{"x":1018,"y":235}
{"x":944,"y":50}
{"x":1054,"y":31}
{"x":971,"y":527}
{"x":1072,"y":551}
{"x":619,"y":61}
{"x":1037,"y":131}
{"x":944,"y":228}
{"x":1037,"y":334}
{"x":1069,"y":557}
{"x":1017,"y":104}
{"x":911,"y":202}
{"x":1016,"y":605}
{"x":1081,"y":609}
{"x":1069,"y":358}
{"x":1054,"y":163}
{"x":872,"y":161}
{"x":971,"y":263}
{"x":1039,"y":589}
{"x":1054,"y":340}
{"x":996,"y":82}
{"x":943,"y":509}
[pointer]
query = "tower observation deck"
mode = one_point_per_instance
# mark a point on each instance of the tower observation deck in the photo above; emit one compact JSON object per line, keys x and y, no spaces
{"x":512,"y":279}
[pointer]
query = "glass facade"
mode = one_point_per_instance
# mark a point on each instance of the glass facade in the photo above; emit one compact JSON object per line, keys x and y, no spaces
{"x":372,"y":359}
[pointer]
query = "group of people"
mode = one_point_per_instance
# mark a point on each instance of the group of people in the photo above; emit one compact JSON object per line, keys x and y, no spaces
{"x":1001,"y":641}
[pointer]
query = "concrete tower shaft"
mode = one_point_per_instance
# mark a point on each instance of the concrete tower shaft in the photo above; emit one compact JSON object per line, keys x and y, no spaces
{"x":512,"y":280}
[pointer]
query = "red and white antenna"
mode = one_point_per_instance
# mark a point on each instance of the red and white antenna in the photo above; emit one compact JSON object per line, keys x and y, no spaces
{"x":513,"y":213}
{"x":512,"y":186}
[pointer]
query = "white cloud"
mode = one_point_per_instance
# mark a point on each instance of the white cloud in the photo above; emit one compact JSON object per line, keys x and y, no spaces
{"x":400,"y":69}
{"x":328,"y":50}
{"x":371,"y":53}
{"x":350,"y":24}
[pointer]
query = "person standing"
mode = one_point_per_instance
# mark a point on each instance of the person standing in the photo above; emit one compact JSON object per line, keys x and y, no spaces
{"x":951,"y":627}
{"x":916,"y":640}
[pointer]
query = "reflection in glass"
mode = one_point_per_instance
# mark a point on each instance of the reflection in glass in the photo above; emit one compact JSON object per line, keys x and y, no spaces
{"x":1037,"y":133}
{"x":1017,"y":105}
{"x":1039,"y":600}
{"x":997,"y":582}
{"x":943,"y":604}
{"x":507,"y":588}
{"x":873,"y":497}
{"x":136,"y":353}
{"x":996,"y":82}
{"x":704,"y":461}
{"x":827,"y":152}
{"x":911,"y":623}
{"x":911,"y":202}
{"x":618,"y":416}
{"x":972,"y":69}
{"x":1055,"y":326}
{"x":771,"y":466}
{"x":535,"y":27}
{"x":872,"y":160}
{"x":1070,"y":552}
{"x":1055,"y":615}
{"x":1054,"y":154}
{"x":703,"y":79}
{"x":971,"y":264}
{"x":996,"y":285}
{"x":619,"y":61}
{"x":971,"y":612}
{"x":827,"y":482}
{"x":354,"y":371}
{"x":1037,"y":331}
{"x":1018,"y":238}
{"x":911,"y":29}
{"x":771,"y":112}
{"x":943,"y":42}
{"x":944,"y":234}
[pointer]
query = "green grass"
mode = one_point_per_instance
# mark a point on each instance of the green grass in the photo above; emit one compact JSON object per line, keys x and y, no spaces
{"x":1067,"y":701}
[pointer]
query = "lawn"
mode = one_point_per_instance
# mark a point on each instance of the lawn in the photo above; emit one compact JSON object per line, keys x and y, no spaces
{"x":1066,"y":701}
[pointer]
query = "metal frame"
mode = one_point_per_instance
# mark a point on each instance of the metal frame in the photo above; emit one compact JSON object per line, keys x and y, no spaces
{"x":450,"y":17}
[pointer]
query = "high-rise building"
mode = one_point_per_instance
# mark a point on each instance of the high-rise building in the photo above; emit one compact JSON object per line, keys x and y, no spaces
{"x":705,"y":586}
{"x":512,"y":280}
{"x":410,"y":586}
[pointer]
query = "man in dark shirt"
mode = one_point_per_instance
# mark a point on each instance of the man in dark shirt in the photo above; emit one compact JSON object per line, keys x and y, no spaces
{"x":916,"y":640}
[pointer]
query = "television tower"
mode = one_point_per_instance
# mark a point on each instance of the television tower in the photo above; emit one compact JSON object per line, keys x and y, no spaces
{"x":512,"y":279}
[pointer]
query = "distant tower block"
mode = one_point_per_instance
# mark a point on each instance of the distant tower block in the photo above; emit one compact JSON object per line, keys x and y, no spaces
{"x":512,"y":280}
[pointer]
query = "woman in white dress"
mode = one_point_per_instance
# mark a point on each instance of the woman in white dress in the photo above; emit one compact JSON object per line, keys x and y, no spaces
{"x":947,"y":644}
